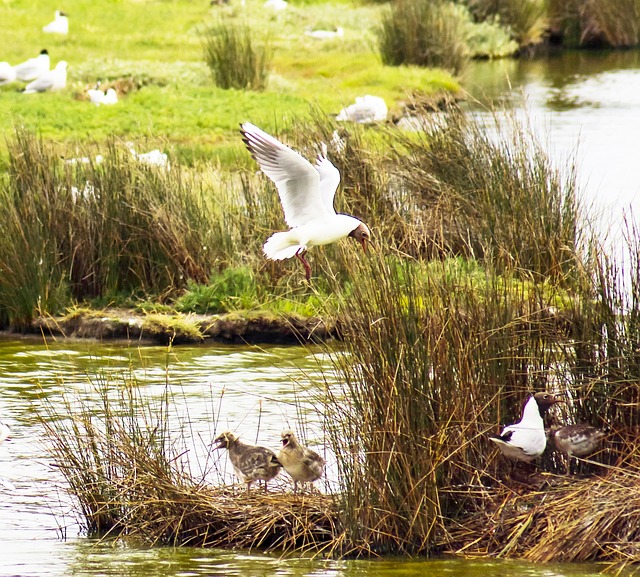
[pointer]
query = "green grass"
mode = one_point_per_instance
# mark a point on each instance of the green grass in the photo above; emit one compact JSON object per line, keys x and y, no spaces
{"x":159,"y":45}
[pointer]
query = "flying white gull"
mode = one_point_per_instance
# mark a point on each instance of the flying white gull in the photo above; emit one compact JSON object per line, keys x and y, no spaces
{"x":306,"y":193}
{"x":7,"y":73}
{"x":59,"y":25}
{"x":33,"y":68}
{"x":365,"y":110}
{"x":526,"y":440}
{"x":53,"y":80}
{"x":325,"y":34}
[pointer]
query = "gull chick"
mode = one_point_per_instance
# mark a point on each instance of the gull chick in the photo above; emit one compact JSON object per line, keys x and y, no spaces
{"x":303,"y":464}
{"x":526,"y":439}
{"x":33,"y":68}
{"x":250,"y":462}
{"x":306,"y":193}
{"x":59,"y":25}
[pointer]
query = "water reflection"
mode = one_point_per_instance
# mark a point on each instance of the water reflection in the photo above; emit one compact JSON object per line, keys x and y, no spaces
{"x":585,"y":106}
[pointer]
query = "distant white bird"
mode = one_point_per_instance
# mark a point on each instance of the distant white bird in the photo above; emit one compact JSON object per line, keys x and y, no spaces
{"x":59,"y":25}
{"x":365,"y":110}
{"x":526,"y":440}
{"x":152,"y":158}
{"x":7,"y":73}
{"x":306,"y":193}
{"x":5,"y":432}
{"x":98,"y":97}
{"x":325,"y":34}
{"x":53,"y":80}
{"x":33,"y":68}
{"x":84,"y":160}
{"x":276,"y":5}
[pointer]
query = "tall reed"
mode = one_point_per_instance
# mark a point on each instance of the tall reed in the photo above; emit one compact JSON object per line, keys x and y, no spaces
{"x":234,"y":58}
{"x":425,"y":33}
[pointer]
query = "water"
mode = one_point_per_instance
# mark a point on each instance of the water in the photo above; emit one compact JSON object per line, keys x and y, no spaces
{"x":584,"y":105}
{"x":593,"y":99}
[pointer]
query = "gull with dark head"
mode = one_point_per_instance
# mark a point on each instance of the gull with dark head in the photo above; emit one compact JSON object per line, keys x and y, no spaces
{"x":526,"y":439}
{"x":304,"y":465}
{"x":33,"y":68}
{"x":59,"y":25}
{"x":306,"y":193}
{"x":250,"y":462}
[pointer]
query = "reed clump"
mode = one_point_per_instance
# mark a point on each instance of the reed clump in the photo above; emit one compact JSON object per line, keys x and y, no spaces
{"x":234,"y":58}
{"x":131,"y":480}
{"x":423,"y":33}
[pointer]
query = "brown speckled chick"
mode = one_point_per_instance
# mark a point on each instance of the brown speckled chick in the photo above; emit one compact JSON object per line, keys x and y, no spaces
{"x":303,"y":464}
{"x":250,"y":462}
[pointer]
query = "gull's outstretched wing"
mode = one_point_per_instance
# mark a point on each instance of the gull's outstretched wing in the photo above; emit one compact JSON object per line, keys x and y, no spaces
{"x":297,"y":181}
{"x":329,"y":179}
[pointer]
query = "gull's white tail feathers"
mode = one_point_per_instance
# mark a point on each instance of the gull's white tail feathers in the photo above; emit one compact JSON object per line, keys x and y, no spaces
{"x":279,"y":246}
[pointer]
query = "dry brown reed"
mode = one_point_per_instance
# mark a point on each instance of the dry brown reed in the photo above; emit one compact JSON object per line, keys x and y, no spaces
{"x":569,"y":519}
{"x":130,"y":480}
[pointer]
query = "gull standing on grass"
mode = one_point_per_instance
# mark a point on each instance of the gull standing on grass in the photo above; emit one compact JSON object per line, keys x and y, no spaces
{"x":7,"y":73}
{"x":59,"y":25}
{"x":33,"y":68}
{"x":306,"y":193}
{"x":53,"y":80}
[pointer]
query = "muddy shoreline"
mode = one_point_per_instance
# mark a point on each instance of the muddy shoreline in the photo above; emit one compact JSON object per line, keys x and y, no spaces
{"x":253,"y":327}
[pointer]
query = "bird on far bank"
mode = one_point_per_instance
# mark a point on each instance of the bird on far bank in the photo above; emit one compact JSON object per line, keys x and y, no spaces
{"x":306,"y":193}
{"x":304,"y":465}
{"x":34,"y":67}
{"x":325,"y":34}
{"x":276,"y":5}
{"x":59,"y":25}
{"x":7,"y":73}
{"x":98,"y":97}
{"x":51,"y":81}
{"x":366,"y":109}
{"x":526,"y":440}
{"x":250,"y":462}
{"x":5,"y":432}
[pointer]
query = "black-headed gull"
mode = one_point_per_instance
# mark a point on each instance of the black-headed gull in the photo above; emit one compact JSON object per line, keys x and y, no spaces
{"x":306,"y":193}
{"x":59,"y":25}
{"x":250,"y":462}
{"x":33,"y":68}
{"x":365,"y":110}
{"x":304,"y":465}
{"x":53,"y":80}
{"x":526,"y":440}
{"x":7,"y":73}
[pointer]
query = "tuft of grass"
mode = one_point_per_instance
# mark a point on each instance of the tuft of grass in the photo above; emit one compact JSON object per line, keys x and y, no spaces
{"x":423,"y":32}
{"x":231,"y":289}
{"x":234,"y":59}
